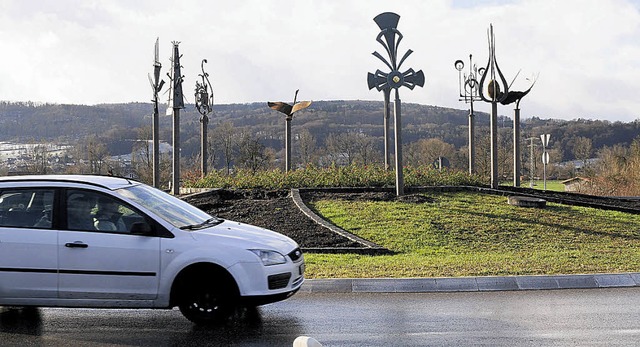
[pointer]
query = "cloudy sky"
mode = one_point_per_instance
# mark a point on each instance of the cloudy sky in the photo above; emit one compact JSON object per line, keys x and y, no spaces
{"x":585,"y":52}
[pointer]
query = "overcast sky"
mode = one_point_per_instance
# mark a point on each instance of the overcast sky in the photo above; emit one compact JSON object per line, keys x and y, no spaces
{"x":585,"y":52}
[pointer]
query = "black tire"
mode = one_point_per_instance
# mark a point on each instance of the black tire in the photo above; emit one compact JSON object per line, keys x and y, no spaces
{"x":208,"y":305}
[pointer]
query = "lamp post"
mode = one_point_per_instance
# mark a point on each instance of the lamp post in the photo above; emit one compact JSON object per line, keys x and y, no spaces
{"x":388,"y":23}
{"x":470,"y":87}
{"x":176,"y":102}
{"x":204,"y":102}
{"x":156,"y":86}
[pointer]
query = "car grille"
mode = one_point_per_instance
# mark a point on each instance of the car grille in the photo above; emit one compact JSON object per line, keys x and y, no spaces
{"x":295,"y":255}
{"x":279,"y":281}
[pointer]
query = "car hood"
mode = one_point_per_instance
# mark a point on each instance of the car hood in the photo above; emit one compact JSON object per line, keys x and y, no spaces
{"x":249,"y":235}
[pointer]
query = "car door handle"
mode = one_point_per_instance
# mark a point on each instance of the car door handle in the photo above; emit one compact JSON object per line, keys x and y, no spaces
{"x":77,"y":244}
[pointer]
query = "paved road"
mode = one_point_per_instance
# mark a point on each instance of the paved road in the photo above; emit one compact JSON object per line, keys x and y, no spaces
{"x":581,"y":317}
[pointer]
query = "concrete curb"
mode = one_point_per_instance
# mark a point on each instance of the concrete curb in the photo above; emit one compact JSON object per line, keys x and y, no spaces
{"x":469,"y":284}
{"x":368,"y":246}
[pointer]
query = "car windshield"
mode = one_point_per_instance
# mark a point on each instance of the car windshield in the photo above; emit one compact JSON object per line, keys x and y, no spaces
{"x":173,"y":210}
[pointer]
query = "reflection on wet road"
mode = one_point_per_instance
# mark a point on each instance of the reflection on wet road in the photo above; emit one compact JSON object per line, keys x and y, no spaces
{"x":561,"y":317}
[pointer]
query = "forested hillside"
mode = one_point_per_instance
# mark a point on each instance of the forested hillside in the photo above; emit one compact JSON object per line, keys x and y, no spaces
{"x":119,"y":125}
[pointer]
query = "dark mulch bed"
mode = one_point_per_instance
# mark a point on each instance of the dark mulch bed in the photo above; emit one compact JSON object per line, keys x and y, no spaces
{"x":273,"y":210}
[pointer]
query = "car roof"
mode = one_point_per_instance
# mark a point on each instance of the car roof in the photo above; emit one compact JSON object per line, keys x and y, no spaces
{"x":108,"y":182}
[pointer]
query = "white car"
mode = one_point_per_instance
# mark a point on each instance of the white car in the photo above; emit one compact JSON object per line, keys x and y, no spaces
{"x":98,"y":241}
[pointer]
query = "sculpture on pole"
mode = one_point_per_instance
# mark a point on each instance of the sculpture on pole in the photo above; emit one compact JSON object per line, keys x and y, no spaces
{"x":204,"y":102}
{"x":511,"y":97}
{"x":176,"y":102}
{"x":495,"y":95}
{"x":156,"y":86}
{"x":288,"y":111}
{"x":470,"y":95}
{"x":388,"y":24}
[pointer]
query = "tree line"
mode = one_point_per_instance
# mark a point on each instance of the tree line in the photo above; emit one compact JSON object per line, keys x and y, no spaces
{"x":328,"y":133}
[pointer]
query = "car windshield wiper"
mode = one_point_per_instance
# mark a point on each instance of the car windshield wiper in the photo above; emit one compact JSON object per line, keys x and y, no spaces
{"x":209,"y":222}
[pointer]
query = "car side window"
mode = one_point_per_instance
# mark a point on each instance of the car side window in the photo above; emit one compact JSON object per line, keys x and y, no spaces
{"x":26,"y":208}
{"x":80,"y":206}
{"x":93,"y":211}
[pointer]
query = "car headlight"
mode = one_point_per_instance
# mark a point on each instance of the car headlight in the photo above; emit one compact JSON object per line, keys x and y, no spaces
{"x":269,"y":257}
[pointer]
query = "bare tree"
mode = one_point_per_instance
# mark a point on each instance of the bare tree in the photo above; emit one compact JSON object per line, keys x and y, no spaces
{"x":306,"y":147}
{"x":39,"y":163}
{"x":427,"y":151}
{"x":224,"y":138}
{"x":90,"y":156}
{"x":582,"y":149}
{"x":252,"y":154}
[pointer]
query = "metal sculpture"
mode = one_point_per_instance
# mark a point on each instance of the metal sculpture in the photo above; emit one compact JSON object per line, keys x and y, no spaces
{"x":495,"y":95}
{"x":288,"y":111}
{"x":204,"y":102}
{"x":176,"y":102}
{"x":388,"y":23}
{"x":470,"y":87}
{"x":156,"y":86}
{"x":509,"y":98}
{"x":504,"y":96}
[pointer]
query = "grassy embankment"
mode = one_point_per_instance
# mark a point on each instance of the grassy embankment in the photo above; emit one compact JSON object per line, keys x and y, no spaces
{"x":458,"y":234}
{"x":472,"y":234}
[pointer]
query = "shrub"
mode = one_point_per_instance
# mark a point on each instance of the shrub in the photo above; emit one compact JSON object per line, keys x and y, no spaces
{"x":333,"y":176}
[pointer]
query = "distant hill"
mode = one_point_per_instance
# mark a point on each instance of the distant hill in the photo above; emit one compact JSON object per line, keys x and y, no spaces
{"x":119,"y":123}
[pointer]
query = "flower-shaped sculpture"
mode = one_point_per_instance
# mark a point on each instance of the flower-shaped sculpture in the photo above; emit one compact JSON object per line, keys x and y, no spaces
{"x":389,"y":37}
{"x":494,"y":90}
{"x":497,"y":91}
{"x":204,"y":102}
{"x":288,"y":111}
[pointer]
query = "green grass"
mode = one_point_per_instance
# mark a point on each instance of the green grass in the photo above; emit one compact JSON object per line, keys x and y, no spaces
{"x":473,"y":234}
{"x":552,"y":185}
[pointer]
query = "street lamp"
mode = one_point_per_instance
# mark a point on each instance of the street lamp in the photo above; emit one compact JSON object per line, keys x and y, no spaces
{"x":469,"y":84}
{"x":388,"y":23}
{"x":204,"y":102}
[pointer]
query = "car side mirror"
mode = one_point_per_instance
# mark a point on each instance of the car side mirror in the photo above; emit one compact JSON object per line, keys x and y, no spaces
{"x":141,"y":228}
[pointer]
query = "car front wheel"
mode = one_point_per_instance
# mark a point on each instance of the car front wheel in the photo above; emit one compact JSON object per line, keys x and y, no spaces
{"x":208,"y":305}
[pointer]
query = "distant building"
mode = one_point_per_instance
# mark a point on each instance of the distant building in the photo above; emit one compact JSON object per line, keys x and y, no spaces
{"x":577,"y":184}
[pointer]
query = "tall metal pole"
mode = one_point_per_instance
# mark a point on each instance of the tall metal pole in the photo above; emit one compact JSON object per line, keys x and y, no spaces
{"x":494,"y":144}
{"x":156,"y":86}
{"x":472,"y":136}
{"x":204,"y":156}
{"x":387,"y":165}
{"x":397,"y":113}
{"x":176,"y":103}
{"x":287,"y":145}
{"x":517,"y":165}
{"x":531,"y":162}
